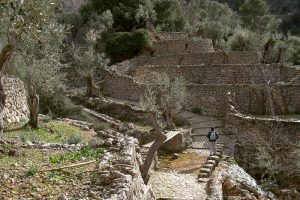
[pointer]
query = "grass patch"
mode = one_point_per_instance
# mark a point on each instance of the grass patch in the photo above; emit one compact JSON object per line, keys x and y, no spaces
{"x":29,"y":156}
{"x":53,"y":131}
{"x":32,"y":171}
{"x":77,"y":155}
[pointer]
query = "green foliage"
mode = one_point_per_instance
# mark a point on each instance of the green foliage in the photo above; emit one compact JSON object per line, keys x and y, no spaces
{"x":31,"y":27}
{"x":124,"y":45}
{"x":249,"y":40}
{"x":59,"y":105}
{"x":124,"y":12}
{"x":255,"y":15}
{"x":74,"y":139}
{"x":197,"y":110}
{"x":86,"y":152}
{"x":32,"y":171}
{"x":161,"y":92}
{"x":212,"y":20}
{"x":88,"y":62}
{"x":168,"y":15}
{"x":53,"y":131}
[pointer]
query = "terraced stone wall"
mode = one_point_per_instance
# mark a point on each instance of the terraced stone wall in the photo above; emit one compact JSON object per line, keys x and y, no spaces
{"x":122,"y":87}
{"x":16,"y":108}
{"x":249,"y":98}
{"x":220,"y":74}
{"x":212,"y":98}
{"x":181,"y":46}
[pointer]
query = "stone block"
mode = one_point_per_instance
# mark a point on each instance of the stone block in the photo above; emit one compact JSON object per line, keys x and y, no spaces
{"x":179,"y":142}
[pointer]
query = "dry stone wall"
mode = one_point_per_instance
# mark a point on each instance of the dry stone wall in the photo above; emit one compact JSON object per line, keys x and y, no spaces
{"x":208,"y":58}
{"x":181,"y":46}
{"x":122,"y":87}
{"x":219,"y":74}
{"x":250,"y":98}
{"x":16,"y":108}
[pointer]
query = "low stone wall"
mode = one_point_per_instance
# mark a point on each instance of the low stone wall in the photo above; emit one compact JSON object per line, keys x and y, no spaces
{"x":119,"y":176}
{"x":220,"y":74}
{"x":16,"y":108}
{"x":180,"y":46}
{"x":254,"y":133}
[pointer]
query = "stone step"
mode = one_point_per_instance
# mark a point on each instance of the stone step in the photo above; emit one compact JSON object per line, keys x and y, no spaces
{"x":209,"y":166}
{"x":215,"y":158}
{"x":213,"y":162}
{"x":205,"y":170}
{"x":203,"y":175}
{"x":203,"y":180}
{"x":219,"y":154}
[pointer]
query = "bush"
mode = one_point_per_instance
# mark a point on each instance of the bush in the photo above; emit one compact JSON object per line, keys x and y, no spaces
{"x":59,"y":105}
{"x":32,"y":171}
{"x":74,"y":139}
{"x":125,"y":45}
{"x":197,"y":110}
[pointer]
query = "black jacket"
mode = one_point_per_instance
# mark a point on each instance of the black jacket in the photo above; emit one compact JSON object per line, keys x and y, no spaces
{"x":209,"y":133}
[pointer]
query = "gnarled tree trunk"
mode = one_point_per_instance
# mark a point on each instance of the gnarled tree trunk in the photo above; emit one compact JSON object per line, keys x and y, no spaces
{"x":158,"y":142}
{"x":267,"y":49}
{"x":33,"y":105}
{"x":169,"y":118}
{"x":6,"y":55}
{"x":2,"y":104}
{"x":280,"y":54}
{"x":92,"y":89}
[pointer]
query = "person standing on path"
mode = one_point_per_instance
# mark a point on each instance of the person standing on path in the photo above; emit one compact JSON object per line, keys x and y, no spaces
{"x":212,"y":137}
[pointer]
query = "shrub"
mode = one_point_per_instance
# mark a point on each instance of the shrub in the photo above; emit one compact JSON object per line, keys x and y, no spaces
{"x":125,"y":45}
{"x":59,"y":105}
{"x":74,"y":139}
{"x":197,"y":110}
{"x":32,"y":171}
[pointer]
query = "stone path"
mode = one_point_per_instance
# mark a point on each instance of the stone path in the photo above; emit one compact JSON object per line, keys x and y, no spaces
{"x":211,"y":163}
{"x":177,"y":186}
{"x":200,"y":125}
{"x":178,"y":179}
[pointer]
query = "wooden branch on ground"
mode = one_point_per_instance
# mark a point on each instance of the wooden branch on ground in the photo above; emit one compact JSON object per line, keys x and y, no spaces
{"x":68,"y":166}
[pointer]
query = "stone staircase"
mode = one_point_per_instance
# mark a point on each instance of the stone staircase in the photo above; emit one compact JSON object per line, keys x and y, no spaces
{"x":211,"y":163}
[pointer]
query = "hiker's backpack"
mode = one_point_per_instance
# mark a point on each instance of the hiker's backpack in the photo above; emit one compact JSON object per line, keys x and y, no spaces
{"x":213,"y":136}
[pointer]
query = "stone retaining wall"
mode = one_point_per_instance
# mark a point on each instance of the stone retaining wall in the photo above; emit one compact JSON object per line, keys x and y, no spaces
{"x":16,"y":108}
{"x":212,"y":98}
{"x":220,"y":74}
{"x":208,"y":58}
{"x":249,"y":98}
{"x":181,"y":46}
{"x":121,"y":87}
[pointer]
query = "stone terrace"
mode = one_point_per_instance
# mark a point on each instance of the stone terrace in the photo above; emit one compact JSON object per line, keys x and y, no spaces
{"x":210,"y":76}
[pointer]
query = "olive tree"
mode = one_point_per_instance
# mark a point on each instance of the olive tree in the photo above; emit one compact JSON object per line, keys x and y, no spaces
{"x":88,"y":61}
{"x":30,"y":33}
{"x":161,"y":96}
